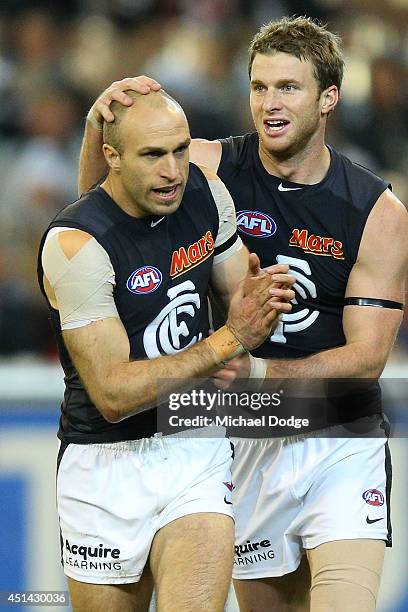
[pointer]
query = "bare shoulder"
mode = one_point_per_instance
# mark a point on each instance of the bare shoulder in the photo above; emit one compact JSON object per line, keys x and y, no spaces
{"x":384,"y":244}
{"x":206,"y":152}
{"x":389,"y":199}
{"x":389,"y":210}
{"x":387,"y":223}
{"x":382,"y":262}
{"x":208,"y":173}
{"x":72,"y":241}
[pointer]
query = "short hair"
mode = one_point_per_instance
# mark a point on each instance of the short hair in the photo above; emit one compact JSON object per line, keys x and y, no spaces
{"x":306,"y":39}
{"x":111,"y":132}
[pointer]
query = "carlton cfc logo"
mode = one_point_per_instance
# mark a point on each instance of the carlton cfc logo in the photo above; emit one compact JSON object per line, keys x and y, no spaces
{"x":374,"y":497}
{"x":144,"y":280}
{"x":256,"y":224}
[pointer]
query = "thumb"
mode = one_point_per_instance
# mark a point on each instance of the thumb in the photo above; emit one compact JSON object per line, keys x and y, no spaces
{"x":254,"y":265}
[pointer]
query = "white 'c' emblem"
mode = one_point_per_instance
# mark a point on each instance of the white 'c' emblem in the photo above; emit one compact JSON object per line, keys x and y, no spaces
{"x":164,"y":334}
{"x":296,"y":321}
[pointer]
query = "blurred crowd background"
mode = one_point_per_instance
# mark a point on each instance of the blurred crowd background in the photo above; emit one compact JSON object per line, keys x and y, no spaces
{"x":56,"y":57}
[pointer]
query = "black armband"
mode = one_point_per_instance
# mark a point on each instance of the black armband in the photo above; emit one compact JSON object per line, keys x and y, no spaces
{"x":377,"y":303}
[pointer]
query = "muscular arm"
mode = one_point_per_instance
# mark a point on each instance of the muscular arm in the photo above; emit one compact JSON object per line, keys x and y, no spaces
{"x":227,"y":274}
{"x":98,"y":343}
{"x":92,"y":164}
{"x":119,"y":387}
{"x":379,"y":272}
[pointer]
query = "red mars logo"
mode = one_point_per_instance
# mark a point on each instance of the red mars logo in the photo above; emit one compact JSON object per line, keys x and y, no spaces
{"x":185,"y":258}
{"x":316,"y":245}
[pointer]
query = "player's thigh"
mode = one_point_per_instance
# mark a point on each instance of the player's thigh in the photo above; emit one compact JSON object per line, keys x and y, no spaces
{"x":288,"y":593}
{"x":191,"y":560}
{"x":132,"y":597}
{"x":346,"y":575}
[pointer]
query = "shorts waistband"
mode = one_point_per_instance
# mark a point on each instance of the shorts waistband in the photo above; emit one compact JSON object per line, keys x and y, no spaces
{"x":128,"y":446}
{"x":364,"y":427}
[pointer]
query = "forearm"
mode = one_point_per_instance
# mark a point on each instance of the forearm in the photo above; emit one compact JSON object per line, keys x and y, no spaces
{"x":91,"y":160}
{"x":354,"y":360}
{"x":129,"y":388}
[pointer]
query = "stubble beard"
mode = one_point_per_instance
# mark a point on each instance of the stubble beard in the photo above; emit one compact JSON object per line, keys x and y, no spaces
{"x":300,"y":144}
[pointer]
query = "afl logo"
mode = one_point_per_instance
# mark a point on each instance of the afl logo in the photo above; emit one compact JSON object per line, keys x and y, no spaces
{"x":374,"y":497}
{"x":144,"y":280}
{"x":256,"y":224}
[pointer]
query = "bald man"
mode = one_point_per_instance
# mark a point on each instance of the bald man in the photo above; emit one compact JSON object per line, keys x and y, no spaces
{"x":126,"y":271}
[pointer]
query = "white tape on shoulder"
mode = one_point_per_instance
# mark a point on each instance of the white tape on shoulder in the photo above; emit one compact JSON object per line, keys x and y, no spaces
{"x":83,"y":285}
{"x":226,"y":211}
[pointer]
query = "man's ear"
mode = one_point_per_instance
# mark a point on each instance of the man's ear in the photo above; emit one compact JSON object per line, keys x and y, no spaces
{"x":112,"y":157}
{"x":329,"y":99}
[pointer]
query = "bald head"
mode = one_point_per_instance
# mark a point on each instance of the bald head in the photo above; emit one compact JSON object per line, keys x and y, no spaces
{"x":155,"y":103}
{"x":146,"y":149}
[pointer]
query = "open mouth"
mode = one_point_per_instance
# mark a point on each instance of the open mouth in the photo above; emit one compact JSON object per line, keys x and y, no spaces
{"x":167,"y":194}
{"x":275,"y":126}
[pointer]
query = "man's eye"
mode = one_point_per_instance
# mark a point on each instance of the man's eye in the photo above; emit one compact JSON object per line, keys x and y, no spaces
{"x":259,"y":88}
{"x":181,"y":150}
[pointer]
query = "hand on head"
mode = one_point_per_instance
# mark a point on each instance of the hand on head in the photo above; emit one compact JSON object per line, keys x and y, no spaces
{"x":100,"y":110}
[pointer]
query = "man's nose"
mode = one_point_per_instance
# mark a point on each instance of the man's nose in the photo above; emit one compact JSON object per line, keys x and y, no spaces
{"x":272,"y":101}
{"x":169,"y":168}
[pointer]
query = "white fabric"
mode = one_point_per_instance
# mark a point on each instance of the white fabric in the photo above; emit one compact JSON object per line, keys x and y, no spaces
{"x":116,"y":496}
{"x":295,"y":493}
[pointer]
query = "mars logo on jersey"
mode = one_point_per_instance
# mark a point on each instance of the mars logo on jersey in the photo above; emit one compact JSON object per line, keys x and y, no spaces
{"x":374,"y":497}
{"x":316,"y":245}
{"x":256,"y":224}
{"x":144,"y":280}
{"x":184,"y":259}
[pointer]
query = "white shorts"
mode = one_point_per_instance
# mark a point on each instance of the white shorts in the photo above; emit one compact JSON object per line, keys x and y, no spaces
{"x":113,"y":498}
{"x":296,"y":493}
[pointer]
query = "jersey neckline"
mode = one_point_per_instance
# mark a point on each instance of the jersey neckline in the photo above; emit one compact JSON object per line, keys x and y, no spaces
{"x":286,"y":187}
{"x":122,"y":215}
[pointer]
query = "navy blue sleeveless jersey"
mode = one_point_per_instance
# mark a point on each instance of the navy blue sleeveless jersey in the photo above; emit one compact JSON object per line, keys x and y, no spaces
{"x":162,"y":275}
{"x":316,"y":229}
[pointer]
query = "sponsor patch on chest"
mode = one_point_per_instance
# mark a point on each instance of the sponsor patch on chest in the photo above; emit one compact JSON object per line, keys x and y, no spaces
{"x":256,"y":224}
{"x":144,"y":280}
{"x":185,"y":258}
{"x":316,"y":245}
